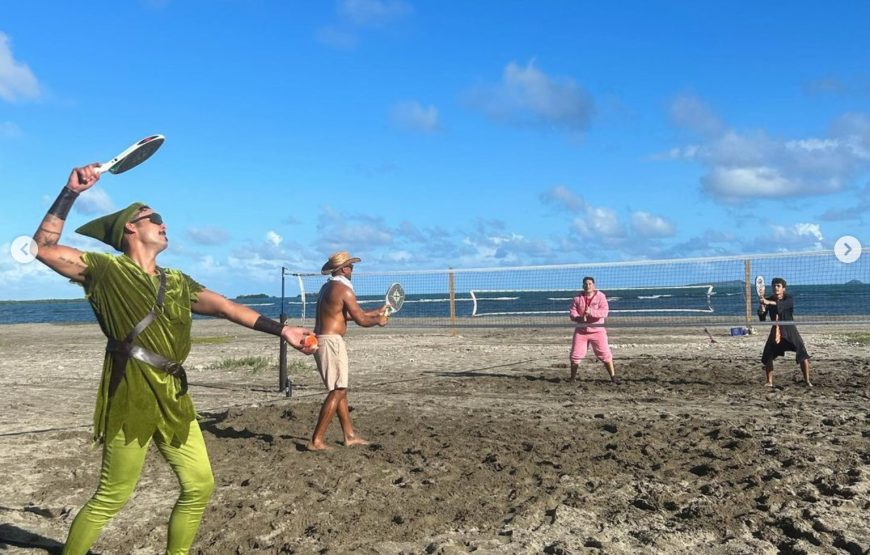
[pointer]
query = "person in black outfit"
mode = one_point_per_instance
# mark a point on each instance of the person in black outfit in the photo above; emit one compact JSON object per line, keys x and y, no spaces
{"x":780,"y":308}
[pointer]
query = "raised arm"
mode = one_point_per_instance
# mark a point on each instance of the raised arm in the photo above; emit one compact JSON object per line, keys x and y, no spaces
{"x":209,"y":303}
{"x":363,"y":318}
{"x":66,"y":261}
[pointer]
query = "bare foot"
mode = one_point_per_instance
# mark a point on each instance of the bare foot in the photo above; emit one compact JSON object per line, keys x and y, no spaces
{"x":768,"y":384}
{"x":355,"y":440}
{"x":318,"y":446}
{"x":615,"y":380}
{"x":809,"y":384}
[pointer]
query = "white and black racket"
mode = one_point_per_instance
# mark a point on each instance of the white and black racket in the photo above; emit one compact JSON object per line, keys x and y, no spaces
{"x":759,"y":286}
{"x":133,"y":156}
{"x":395,"y":299}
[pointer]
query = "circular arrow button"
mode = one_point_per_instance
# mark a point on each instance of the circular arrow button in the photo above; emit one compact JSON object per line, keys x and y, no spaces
{"x":23,"y":249}
{"x":847,"y":249}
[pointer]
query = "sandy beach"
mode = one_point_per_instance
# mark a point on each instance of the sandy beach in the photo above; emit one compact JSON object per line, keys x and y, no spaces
{"x":480,"y":445}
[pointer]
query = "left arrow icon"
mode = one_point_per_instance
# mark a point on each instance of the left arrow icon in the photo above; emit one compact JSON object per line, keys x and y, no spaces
{"x":24,"y":249}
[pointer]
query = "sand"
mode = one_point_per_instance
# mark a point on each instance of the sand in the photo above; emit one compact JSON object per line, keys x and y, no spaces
{"x":480,"y":445}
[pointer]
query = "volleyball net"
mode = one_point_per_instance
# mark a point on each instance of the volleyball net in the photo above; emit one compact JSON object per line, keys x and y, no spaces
{"x":687,"y":292}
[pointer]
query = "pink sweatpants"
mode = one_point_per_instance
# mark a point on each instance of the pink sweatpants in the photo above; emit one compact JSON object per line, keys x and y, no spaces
{"x":598,"y":340}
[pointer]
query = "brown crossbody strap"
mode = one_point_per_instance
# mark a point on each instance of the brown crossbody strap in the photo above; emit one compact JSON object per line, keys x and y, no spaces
{"x":122,"y":351}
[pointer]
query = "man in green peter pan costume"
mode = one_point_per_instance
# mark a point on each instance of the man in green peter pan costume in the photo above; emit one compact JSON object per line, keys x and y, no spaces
{"x":145,"y":312}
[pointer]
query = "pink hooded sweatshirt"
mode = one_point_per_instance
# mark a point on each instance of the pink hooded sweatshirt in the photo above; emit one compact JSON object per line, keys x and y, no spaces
{"x":599,"y":309}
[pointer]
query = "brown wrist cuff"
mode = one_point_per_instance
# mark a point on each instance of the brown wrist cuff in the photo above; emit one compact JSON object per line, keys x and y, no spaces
{"x":268,"y":325}
{"x":61,"y":207}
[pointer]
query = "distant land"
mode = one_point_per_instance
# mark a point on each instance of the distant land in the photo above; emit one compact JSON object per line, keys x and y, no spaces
{"x":255,"y":296}
{"x":855,"y":282}
{"x":46,"y":301}
{"x":731,"y":283}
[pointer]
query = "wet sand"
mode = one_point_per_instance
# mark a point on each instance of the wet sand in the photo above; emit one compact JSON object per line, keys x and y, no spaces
{"x":480,"y":445}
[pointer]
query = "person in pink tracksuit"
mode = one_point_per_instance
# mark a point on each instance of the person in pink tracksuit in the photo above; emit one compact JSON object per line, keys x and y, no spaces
{"x":590,"y":307}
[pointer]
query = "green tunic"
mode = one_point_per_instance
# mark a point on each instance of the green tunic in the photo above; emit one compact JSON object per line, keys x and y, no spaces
{"x":121,"y":294}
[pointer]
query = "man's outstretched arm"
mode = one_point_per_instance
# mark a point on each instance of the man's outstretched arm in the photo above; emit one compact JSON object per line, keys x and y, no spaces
{"x":363,"y":318}
{"x":66,"y":261}
{"x":209,"y":303}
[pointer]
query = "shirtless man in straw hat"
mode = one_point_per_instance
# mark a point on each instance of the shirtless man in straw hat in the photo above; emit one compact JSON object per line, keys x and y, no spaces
{"x":145,"y":312}
{"x":336,"y":304}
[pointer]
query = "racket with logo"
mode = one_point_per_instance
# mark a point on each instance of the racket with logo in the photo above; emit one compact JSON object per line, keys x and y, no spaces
{"x":133,"y":156}
{"x":759,"y":286}
{"x":395,"y":299}
{"x":760,"y":290}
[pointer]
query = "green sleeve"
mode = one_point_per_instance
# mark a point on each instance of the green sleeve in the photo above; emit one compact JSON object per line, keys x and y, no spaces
{"x":97,"y":263}
{"x":194,"y":286}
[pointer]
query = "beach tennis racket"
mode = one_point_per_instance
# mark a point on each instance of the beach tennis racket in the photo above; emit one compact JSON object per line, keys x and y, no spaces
{"x":133,"y":156}
{"x":759,"y":286}
{"x":395,"y":299}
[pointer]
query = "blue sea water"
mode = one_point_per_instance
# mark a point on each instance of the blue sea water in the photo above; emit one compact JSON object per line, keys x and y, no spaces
{"x":818,"y":301}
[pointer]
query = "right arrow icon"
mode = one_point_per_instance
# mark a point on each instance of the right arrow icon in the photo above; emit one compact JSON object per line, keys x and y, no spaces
{"x":847,"y":249}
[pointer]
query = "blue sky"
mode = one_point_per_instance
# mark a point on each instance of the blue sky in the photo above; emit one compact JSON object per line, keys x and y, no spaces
{"x":431,"y":134}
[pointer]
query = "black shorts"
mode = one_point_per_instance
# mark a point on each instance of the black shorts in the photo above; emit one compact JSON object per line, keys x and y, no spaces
{"x":773,"y":350}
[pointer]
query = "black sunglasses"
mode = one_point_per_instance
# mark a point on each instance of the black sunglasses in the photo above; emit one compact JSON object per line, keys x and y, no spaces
{"x":155,"y":218}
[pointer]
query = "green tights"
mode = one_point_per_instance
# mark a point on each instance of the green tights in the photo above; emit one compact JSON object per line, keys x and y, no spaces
{"x":122,"y":464}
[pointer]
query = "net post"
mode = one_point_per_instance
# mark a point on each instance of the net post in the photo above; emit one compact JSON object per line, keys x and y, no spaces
{"x":748,"y":294}
{"x":452,"y":303}
{"x":282,"y":353}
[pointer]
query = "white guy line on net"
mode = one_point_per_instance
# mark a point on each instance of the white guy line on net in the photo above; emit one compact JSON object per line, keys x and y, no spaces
{"x":653,"y":262}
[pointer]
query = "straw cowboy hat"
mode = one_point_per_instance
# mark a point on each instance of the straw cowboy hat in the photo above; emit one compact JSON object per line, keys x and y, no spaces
{"x":338,"y":261}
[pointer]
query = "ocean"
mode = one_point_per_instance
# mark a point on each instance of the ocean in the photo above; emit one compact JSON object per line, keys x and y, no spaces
{"x":816,"y":302}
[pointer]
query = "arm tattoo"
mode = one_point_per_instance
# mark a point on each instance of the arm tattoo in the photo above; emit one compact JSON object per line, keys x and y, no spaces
{"x":46,"y":241}
{"x":45,"y":237}
{"x":75,"y":263}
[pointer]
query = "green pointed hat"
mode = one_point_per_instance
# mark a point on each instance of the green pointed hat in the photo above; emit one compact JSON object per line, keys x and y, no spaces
{"x":110,"y":229}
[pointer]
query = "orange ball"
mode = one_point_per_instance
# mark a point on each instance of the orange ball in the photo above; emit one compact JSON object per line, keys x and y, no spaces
{"x":310,"y":341}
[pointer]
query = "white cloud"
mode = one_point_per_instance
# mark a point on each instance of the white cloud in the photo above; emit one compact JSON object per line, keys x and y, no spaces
{"x":16,"y":80}
{"x":600,"y":224}
{"x":690,"y":112}
{"x":731,"y":184}
{"x":709,"y":243}
{"x":650,"y":225}
{"x":274,"y":238}
{"x":801,"y":235}
{"x":742,"y":166}
{"x":357,"y":233}
{"x":528,"y":96}
{"x":373,"y":13}
{"x":562,"y":197}
{"x":94,"y":201}
{"x":356,"y":15}
{"x":677,"y":153}
{"x":33,"y":280}
{"x":412,"y":116}
{"x":208,"y":235}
